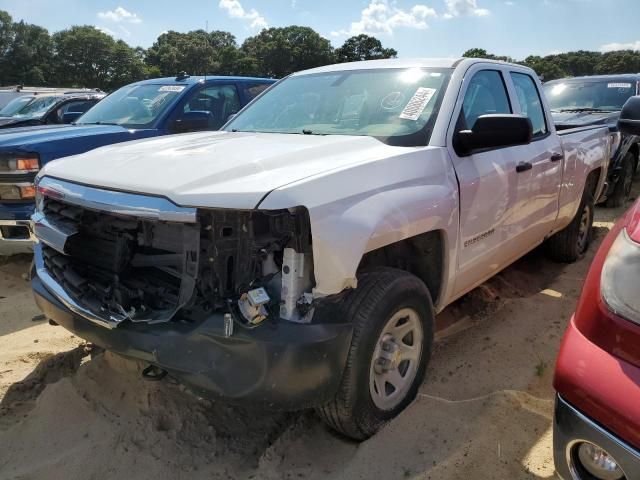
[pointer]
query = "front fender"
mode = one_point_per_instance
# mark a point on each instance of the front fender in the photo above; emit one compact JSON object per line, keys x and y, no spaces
{"x":372,"y":204}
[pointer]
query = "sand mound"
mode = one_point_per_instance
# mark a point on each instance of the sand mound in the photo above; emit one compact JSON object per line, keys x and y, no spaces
{"x":105,"y":421}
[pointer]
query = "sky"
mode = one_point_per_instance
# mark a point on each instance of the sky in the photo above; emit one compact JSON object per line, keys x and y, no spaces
{"x":415,"y":28}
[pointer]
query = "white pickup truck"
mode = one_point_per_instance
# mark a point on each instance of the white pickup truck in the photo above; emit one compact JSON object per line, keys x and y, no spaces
{"x":297,"y":258}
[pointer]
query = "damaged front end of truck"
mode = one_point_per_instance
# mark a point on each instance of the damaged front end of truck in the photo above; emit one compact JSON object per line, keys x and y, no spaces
{"x":145,"y":268}
{"x":148,"y":266}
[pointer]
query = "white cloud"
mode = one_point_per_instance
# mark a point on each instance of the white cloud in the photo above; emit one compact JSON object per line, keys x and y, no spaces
{"x":456,"y":8}
{"x":380,"y":17}
{"x":106,"y":30}
{"x":235,"y":10}
{"x":509,"y":3}
{"x":610,"y":47}
{"x":120,"y":15}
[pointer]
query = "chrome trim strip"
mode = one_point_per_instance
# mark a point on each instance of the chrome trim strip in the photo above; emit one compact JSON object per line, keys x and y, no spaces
{"x":58,"y":292}
{"x":52,"y":234}
{"x":120,"y":203}
{"x":17,"y":223}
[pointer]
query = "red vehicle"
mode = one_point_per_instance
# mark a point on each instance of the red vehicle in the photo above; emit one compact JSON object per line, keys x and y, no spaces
{"x":597,"y":379}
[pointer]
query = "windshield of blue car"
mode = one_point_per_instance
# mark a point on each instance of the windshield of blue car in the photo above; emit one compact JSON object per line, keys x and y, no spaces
{"x":395,"y":105}
{"x":588,"y":95}
{"x":35,"y":108}
{"x":134,"y":106}
{"x":14,"y":105}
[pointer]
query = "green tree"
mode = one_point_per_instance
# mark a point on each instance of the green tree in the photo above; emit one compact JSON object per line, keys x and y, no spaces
{"x":547,"y":69}
{"x":196,"y":52}
{"x":622,"y":61}
{"x":363,"y":47}
{"x":87,"y":57}
{"x":26,"y":58}
{"x":482,"y":53}
{"x":281,"y":51}
{"x":6,"y":31}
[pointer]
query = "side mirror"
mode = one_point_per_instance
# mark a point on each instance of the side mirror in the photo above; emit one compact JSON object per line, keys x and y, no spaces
{"x":494,"y":131}
{"x":70,"y":117}
{"x":193,"y":121}
{"x":629,"y":121}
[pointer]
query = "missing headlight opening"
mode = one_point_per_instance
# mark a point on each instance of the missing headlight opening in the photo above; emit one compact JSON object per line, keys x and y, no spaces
{"x":252,"y":265}
{"x":256,"y":264}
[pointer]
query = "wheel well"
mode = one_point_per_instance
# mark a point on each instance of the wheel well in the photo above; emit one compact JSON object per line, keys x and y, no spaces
{"x":591,"y":184}
{"x":635,"y":150}
{"x":422,"y":255}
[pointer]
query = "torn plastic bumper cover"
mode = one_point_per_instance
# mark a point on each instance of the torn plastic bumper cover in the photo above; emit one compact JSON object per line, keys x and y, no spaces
{"x":285,"y":365}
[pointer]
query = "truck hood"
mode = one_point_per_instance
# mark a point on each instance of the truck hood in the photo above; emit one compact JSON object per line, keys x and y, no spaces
{"x":215,"y":169}
{"x":584,"y":119}
{"x":47,"y":133}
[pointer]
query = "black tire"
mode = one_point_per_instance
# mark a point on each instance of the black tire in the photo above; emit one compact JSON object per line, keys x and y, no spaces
{"x":381,"y":293}
{"x":622,"y":189}
{"x":568,"y":245}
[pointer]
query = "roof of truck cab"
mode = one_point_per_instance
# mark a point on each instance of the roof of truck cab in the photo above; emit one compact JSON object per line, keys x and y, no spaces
{"x":402,"y":63}
{"x":199,"y":79}
{"x":387,"y":63}
{"x":596,"y":78}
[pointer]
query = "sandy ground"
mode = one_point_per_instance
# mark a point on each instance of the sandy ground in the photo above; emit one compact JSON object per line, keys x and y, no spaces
{"x":68,"y":411}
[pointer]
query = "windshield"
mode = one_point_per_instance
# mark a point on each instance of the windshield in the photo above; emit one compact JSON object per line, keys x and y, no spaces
{"x":35,"y":107}
{"x":395,"y":105}
{"x":136,"y":106}
{"x":14,"y":105}
{"x":605,"y":95}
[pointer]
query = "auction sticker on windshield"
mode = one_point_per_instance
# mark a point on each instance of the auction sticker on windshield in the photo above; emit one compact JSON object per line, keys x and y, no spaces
{"x":417,"y":104}
{"x":619,"y":85}
{"x":171,"y":88}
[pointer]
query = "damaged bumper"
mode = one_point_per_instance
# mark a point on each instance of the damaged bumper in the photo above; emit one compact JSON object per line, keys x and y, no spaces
{"x":285,"y":366}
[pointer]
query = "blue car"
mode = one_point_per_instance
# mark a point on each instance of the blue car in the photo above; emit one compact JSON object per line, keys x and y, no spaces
{"x":141,"y":110}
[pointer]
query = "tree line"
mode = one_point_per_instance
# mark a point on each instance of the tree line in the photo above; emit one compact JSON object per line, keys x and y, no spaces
{"x":572,"y":64}
{"x":84,"y":56}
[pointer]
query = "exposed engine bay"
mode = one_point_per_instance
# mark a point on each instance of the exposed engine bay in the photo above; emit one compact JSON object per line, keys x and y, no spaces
{"x":252,"y":265}
{"x":258,"y":264}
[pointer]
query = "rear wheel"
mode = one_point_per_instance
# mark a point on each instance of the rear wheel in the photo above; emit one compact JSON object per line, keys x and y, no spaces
{"x":622,"y":189}
{"x":392,"y":319}
{"x":572,"y":243}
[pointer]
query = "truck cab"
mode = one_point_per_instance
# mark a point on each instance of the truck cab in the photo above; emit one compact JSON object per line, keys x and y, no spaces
{"x":141,"y":110}
{"x":598,"y":100}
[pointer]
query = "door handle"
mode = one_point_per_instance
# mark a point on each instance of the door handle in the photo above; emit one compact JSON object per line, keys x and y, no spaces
{"x":523,"y":167}
{"x":556,"y":157}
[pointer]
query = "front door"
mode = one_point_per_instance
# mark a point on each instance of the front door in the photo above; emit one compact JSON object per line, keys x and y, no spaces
{"x":495,"y":188}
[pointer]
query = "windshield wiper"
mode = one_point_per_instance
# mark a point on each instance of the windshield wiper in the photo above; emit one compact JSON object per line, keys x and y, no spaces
{"x":581,"y":109}
{"x":97,"y":123}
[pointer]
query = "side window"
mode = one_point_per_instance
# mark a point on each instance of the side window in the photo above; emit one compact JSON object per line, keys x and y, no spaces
{"x":252,"y":90}
{"x":219,"y":101}
{"x":81,"y":106}
{"x":486,"y":94}
{"x":530,"y":103}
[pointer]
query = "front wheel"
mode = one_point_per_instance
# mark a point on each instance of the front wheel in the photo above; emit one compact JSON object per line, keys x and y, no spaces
{"x":392,"y":319}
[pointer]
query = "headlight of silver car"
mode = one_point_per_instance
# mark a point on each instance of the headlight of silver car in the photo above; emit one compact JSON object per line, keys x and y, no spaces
{"x":620,"y":276}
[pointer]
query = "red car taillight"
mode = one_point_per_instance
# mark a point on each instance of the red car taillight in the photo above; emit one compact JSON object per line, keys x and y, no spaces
{"x":620,"y":278}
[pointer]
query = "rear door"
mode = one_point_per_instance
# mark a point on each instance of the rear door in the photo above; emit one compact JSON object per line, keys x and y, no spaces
{"x":537,"y":207}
